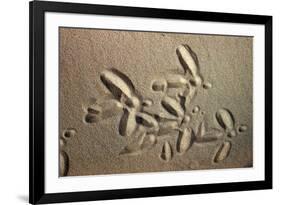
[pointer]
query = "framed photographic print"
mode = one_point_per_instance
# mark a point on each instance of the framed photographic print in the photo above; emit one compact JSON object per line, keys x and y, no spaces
{"x":141,"y":102}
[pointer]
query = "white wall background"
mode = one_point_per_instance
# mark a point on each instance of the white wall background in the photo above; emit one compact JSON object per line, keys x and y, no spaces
{"x":14,"y":103}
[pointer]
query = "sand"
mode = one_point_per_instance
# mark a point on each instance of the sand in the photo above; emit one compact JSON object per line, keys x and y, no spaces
{"x":148,"y":102}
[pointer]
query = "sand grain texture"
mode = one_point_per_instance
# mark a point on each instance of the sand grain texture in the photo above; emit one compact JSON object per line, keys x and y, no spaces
{"x":162,"y":91}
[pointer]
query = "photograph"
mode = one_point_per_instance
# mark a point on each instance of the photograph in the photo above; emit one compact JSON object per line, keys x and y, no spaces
{"x":134,"y":101}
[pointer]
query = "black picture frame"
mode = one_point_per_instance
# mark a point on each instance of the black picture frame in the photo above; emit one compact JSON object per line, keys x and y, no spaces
{"x":37,"y":10}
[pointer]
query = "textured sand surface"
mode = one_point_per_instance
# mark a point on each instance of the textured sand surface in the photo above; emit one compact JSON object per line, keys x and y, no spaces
{"x":203,"y":122}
